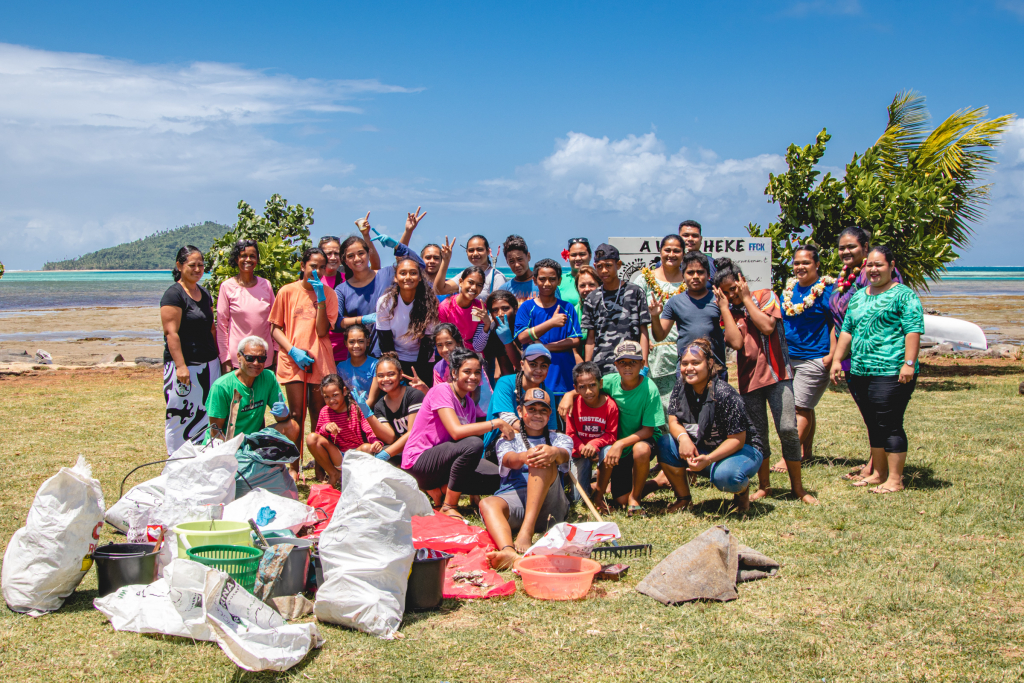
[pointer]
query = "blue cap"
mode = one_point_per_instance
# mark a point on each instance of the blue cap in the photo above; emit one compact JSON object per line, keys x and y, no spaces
{"x":534,"y":350}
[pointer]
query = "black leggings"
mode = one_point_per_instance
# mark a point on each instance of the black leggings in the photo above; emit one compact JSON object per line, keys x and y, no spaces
{"x":457,"y":465}
{"x":882,"y":401}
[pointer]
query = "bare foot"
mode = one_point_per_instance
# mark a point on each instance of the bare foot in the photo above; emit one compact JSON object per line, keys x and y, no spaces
{"x":887,"y":488}
{"x":523,"y":542}
{"x":873,"y":480}
{"x":335,"y":482}
{"x":451,"y":511}
{"x":759,"y":493}
{"x":807,"y":498}
{"x":680,"y":505}
{"x":780,"y":466}
{"x":601,"y":505}
{"x":504,"y":558}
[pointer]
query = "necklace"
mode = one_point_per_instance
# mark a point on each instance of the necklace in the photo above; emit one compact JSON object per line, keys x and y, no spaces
{"x":816,"y":291}
{"x":652,"y":284}
{"x":844,"y":282}
{"x":618,"y":298}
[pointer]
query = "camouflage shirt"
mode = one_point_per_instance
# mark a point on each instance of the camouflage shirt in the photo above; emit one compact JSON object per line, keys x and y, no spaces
{"x":614,"y":316}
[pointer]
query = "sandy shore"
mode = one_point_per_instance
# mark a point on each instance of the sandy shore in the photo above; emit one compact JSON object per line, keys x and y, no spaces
{"x":89,"y":335}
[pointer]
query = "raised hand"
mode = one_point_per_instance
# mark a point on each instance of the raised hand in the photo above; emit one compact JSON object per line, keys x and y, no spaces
{"x":385,"y":240}
{"x":318,"y":287}
{"x":279,"y":409}
{"x":657,"y":305}
{"x":415,"y":382}
{"x":413,"y":219}
{"x":744,"y":287}
{"x":446,"y":250}
{"x":364,"y":224}
{"x":720,"y":298}
{"x":503,"y":330}
{"x":559,"y":319}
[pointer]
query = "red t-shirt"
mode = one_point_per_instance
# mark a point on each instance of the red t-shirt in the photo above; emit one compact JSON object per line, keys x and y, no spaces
{"x":762,"y":361}
{"x":354,"y":429}
{"x":595,"y":426}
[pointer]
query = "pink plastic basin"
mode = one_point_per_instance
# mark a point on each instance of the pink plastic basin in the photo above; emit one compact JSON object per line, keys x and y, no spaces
{"x":557,"y":577}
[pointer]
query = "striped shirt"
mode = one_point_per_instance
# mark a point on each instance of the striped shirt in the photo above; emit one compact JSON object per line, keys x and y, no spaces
{"x":354,"y":430}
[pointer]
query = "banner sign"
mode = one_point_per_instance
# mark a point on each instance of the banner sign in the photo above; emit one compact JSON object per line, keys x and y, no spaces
{"x":752,"y":254}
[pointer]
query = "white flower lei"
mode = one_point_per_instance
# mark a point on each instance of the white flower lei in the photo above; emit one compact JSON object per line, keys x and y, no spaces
{"x":816,"y":290}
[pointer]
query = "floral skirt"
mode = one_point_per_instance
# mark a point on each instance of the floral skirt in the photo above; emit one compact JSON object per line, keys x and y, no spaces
{"x":186,"y":404}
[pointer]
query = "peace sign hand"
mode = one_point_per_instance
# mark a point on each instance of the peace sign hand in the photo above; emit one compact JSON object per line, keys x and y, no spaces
{"x":446,"y":250}
{"x":414,"y":219}
{"x":657,"y":305}
{"x":364,"y":224}
{"x":415,"y":382}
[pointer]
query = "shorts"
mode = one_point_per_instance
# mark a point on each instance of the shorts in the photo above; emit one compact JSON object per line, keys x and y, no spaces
{"x":810,"y":381}
{"x":622,"y":474}
{"x":553,"y":509}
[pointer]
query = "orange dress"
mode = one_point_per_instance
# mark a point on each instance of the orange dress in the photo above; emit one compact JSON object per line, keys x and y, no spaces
{"x":294,"y":312}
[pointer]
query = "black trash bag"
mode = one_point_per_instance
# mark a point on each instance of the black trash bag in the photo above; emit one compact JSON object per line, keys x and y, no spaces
{"x":263,"y":460}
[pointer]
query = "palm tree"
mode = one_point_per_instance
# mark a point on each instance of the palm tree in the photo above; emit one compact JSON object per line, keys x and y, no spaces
{"x":962,"y":148}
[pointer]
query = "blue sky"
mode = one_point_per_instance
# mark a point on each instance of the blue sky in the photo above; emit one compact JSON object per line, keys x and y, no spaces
{"x":546,"y":119}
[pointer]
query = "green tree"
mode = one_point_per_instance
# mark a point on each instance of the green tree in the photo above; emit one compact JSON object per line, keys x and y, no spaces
{"x":916,"y":190}
{"x":282,"y":233}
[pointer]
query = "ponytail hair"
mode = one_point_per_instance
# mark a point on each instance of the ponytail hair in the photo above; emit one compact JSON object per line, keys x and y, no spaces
{"x":182,"y":258}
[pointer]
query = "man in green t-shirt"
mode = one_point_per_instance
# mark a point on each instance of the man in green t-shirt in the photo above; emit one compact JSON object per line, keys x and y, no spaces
{"x":258,"y":389}
{"x":641,"y":417}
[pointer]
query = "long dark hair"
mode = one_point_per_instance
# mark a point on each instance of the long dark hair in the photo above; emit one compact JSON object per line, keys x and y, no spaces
{"x":346,"y":395}
{"x":423,"y":315}
{"x":182,"y":258}
{"x":349,"y":241}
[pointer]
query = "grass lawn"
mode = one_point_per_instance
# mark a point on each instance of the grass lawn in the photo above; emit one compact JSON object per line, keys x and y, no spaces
{"x":923,"y":585}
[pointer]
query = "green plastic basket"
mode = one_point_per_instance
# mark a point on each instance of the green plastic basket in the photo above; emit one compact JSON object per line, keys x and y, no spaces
{"x":240,"y":562}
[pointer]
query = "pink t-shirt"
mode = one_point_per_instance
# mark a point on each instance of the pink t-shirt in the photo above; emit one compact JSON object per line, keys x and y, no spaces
{"x":243,"y":311}
{"x":450,"y":312}
{"x":428,"y":430}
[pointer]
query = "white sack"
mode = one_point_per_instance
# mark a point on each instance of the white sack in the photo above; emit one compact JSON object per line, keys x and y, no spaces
{"x":366,"y":550}
{"x":134,"y":508}
{"x":291,"y":514}
{"x":250,"y":632}
{"x":144,"y":609}
{"x":574,"y":539}
{"x":192,"y":486}
{"x":48,"y":557}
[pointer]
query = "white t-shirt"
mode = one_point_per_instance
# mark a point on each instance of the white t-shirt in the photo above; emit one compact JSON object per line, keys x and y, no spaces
{"x":408,"y":349}
{"x":493,"y":280}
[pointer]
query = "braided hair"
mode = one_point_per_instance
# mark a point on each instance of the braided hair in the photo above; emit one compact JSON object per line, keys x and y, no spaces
{"x":522,"y":428}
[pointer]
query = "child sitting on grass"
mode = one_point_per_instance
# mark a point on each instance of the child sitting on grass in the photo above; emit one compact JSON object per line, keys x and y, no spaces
{"x":341,"y":427}
{"x":530,"y":497}
{"x":593,"y":425}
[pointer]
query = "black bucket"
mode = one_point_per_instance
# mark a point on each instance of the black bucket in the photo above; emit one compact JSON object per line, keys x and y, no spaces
{"x":124,"y":564}
{"x":426,"y":580}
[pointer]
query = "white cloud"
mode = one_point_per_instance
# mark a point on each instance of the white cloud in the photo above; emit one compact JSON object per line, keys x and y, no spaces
{"x":95,"y":151}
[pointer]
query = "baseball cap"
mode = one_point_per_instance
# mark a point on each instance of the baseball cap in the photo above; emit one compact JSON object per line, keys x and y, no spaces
{"x":534,"y":350}
{"x":605,"y":252}
{"x":536,"y":396}
{"x":630,"y":350}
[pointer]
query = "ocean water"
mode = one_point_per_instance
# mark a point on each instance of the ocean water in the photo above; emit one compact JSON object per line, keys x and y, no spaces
{"x":48,"y":290}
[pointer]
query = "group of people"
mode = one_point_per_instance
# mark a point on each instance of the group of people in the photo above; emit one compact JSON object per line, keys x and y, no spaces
{"x":510,"y":388}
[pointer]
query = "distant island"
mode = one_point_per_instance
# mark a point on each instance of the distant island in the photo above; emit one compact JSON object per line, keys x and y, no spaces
{"x":155,"y":252}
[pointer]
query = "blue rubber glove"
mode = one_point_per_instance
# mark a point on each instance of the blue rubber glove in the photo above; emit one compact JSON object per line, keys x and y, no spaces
{"x":364,"y":408}
{"x":644,"y":371}
{"x":385,"y":241}
{"x":301,"y":358}
{"x":318,"y":287}
{"x":279,"y":409}
{"x":369,"y":319}
{"x":502,"y":329}
{"x":266,"y":515}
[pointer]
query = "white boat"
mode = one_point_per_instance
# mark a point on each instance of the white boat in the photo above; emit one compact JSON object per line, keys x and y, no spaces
{"x":938,"y":329}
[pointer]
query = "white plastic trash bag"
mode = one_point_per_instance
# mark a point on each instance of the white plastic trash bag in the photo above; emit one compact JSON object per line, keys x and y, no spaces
{"x":366,"y":550}
{"x":287,"y":513}
{"x":134,"y":508}
{"x":48,"y":557}
{"x":144,"y":609}
{"x":574,"y":539}
{"x":194,"y":488}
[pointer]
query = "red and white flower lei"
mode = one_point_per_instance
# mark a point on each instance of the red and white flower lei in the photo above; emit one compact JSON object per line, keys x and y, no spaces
{"x":816,"y":291}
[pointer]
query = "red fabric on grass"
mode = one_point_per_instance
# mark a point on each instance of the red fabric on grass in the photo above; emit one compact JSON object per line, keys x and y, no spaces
{"x":441,"y":532}
{"x":476,"y":559}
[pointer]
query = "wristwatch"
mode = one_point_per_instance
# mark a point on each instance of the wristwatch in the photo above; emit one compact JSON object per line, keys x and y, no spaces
{"x":909,"y":363}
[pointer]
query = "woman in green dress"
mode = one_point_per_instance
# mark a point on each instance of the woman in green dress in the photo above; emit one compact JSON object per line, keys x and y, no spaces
{"x":665,"y":281}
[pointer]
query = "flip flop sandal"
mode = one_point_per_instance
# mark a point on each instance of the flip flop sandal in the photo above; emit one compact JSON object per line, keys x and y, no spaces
{"x":852,"y":476}
{"x":861,"y":482}
{"x":883,"y":490}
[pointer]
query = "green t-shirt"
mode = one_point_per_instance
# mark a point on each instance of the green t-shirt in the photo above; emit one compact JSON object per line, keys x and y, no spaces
{"x":265,"y":393}
{"x":567,"y":292}
{"x":639,"y":407}
{"x":879,"y":325}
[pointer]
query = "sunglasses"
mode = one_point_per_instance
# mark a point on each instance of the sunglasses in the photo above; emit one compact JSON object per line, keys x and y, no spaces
{"x":329,"y":238}
{"x":255,"y":359}
{"x":579,"y":240}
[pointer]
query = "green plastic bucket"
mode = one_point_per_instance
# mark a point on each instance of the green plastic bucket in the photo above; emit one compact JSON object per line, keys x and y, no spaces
{"x":240,"y":562}
{"x":216,"y":532}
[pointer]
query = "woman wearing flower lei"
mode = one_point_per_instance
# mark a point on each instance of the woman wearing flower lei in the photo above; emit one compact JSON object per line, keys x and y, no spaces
{"x":853,"y":250}
{"x":665,"y":282}
{"x":808,"y":324}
